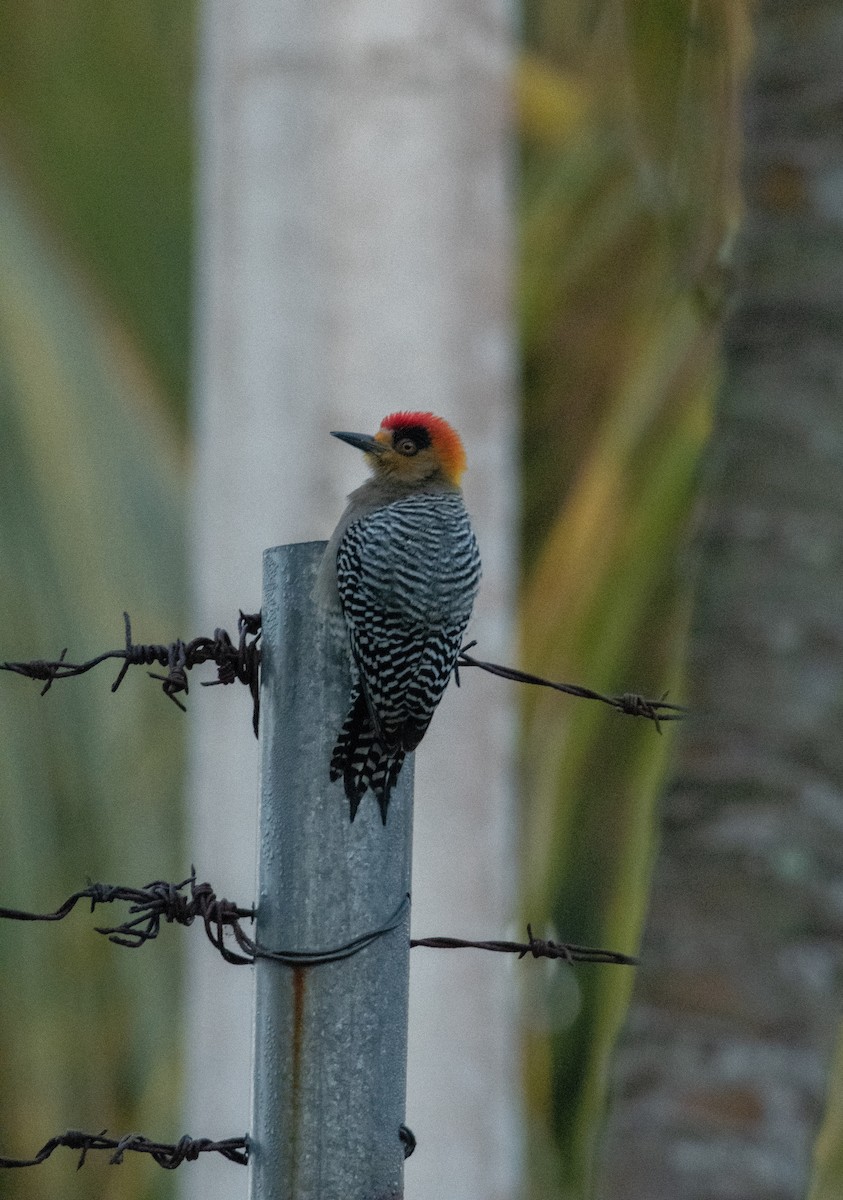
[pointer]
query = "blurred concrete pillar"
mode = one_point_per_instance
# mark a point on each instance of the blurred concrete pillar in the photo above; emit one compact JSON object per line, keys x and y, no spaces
{"x":354,"y":255}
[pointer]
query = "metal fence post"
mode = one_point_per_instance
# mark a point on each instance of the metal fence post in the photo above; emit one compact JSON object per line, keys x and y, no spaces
{"x":330,"y":1040}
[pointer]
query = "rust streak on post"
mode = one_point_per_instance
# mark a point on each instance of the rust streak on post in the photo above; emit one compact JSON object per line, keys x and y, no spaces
{"x":299,"y":986}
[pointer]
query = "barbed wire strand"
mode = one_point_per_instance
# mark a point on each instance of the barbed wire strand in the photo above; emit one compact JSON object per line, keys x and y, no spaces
{"x":168,"y":1155}
{"x":235,"y":663}
{"x":241,"y":663}
{"x":535,"y":947}
{"x":170,"y":903}
{"x":150,"y":905}
{"x":630,"y":703}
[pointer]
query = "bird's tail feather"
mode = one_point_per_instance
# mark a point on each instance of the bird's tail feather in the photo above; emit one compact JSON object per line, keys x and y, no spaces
{"x":362,"y":760}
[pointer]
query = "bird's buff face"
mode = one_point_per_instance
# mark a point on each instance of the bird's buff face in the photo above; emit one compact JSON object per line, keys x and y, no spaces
{"x":412,"y":448}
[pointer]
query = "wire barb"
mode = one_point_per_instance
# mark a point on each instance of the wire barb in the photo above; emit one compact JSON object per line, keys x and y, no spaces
{"x":170,"y":902}
{"x":535,"y":947}
{"x":629,"y":703}
{"x":235,"y":663}
{"x":156,"y":902}
{"x":168,"y":1155}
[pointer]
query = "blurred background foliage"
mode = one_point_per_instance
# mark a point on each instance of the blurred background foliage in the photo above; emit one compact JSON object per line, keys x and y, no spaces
{"x":96,"y":107}
{"x":95,"y":211}
{"x":629,"y":204}
{"x":629,"y":128}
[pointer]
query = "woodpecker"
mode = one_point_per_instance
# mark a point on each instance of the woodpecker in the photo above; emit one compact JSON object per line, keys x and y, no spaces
{"x":402,"y":567}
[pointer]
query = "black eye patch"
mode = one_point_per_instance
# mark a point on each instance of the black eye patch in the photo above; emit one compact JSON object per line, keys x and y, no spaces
{"x":417,"y":434}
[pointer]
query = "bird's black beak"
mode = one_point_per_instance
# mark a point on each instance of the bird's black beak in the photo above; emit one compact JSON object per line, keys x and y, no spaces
{"x":361,"y":441}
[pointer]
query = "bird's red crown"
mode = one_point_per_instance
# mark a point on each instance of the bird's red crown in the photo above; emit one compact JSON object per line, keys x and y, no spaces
{"x":443,"y":437}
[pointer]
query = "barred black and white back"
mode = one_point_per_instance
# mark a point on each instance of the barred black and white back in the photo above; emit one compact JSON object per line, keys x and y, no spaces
{"x":407,"y":576}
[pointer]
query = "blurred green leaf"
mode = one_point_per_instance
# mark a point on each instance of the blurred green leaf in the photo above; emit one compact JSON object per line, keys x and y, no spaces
{"x":626,"y":224}
{"x":605,"y":606}
{"x":90,"y":523}
{"x":96,"y":113}
{"x":827,"y":1175}
{"x":551,"y":104}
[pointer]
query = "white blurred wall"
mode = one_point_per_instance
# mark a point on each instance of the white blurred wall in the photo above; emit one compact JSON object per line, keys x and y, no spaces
{"x":354,"y":257}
